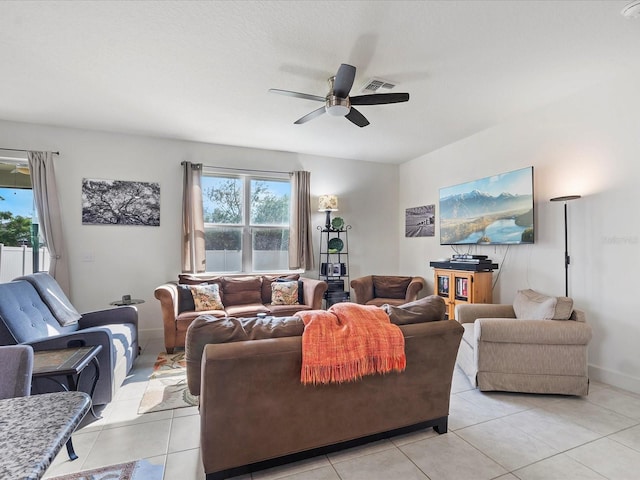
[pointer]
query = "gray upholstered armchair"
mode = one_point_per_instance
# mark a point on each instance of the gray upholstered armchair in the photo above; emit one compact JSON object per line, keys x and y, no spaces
{"x":16,"y":365}
{"x":537,"y":345}
{"x":35,"y":311}
{"x":389,"y":289}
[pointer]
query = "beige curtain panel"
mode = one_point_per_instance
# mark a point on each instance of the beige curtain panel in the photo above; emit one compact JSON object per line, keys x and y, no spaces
{"x":193,"y":254}
{"x":300,"y":241}
{"x":45,"y":195}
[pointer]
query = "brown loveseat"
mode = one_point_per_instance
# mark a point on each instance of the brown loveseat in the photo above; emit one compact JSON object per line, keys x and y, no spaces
{"x":244,"y":296}
{"x":254,"y":411}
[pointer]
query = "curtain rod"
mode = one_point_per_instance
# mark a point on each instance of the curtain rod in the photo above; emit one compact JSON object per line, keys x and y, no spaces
{"x":22,"y":150}
{"x":243,"y":169}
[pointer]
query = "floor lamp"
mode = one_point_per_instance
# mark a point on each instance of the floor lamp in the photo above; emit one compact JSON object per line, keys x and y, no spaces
{"x":567,"y":260}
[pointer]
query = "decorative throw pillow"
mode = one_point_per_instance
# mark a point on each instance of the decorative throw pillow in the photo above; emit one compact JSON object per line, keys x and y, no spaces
{"x":206,"y":297}
{"x":300,"y":289}
{"x":428,"y":309}
{"x":185,"y":299}
{"x":390,"y":286}
{"x":532,"y":305}
{"x":284,"y":293}
{"x":267,"y":280}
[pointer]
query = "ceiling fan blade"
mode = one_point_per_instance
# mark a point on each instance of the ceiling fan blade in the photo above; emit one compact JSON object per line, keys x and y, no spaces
{"x":304,"y":96}
{"x":310,"y":116}
{"x":356,"y":117}
{"x":344,"y":80}
{"x":379,"y":98}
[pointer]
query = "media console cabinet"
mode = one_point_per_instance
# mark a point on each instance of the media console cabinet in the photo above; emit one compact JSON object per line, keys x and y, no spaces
{"x":462,"y":286}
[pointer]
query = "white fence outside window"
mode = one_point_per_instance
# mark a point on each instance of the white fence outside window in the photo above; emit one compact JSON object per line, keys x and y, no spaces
{"x":231,"y":260}
{"x":17,"y":261}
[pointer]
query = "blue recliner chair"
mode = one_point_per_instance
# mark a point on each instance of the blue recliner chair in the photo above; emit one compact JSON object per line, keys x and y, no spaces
{"x":35,"y":311}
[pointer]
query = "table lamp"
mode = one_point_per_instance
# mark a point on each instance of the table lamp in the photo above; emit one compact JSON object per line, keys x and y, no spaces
{"x":328,"y":203}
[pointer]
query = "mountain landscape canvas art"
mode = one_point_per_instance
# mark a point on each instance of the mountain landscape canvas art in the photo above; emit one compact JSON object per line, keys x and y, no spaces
{"x":491,"y":210}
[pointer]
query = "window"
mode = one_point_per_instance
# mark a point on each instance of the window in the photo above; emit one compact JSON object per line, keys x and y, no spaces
{"x":17,"y":225}
{"x":246,"y":223}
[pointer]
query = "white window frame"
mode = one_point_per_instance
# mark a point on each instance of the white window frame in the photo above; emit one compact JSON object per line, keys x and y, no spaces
{"x":246,"y":227}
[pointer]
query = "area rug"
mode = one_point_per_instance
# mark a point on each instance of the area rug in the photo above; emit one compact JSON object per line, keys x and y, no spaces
{"x":138,"y":470}
{"x":167,"y":387}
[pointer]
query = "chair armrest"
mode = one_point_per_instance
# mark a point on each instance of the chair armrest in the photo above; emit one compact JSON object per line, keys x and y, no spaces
{"x":98,"y":318}
{"x":80,"y":338}
{"x":363,"y":289}
{"x":313,"y":292}
{"x":540,"y":332}
{"x":416,"y":284}
{"x":469,"y":312}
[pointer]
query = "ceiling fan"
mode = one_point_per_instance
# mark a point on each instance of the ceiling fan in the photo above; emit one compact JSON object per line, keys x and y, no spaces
{"x":338,"y":103}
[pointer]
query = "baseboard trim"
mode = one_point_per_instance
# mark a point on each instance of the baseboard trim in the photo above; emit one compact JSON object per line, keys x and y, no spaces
{"x":615,"y":379}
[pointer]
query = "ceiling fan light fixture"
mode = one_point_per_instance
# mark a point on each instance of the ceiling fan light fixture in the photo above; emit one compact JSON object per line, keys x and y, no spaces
{"x":337,"y":107}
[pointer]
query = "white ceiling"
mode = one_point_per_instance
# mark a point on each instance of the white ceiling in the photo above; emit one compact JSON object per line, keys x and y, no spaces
{"x":201,"y":71}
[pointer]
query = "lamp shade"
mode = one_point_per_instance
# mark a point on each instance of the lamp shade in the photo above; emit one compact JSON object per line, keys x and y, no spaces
{"x":328,"y":203}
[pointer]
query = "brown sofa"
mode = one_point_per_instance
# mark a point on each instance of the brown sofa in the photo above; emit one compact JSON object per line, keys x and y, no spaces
{"x":386,"y":289}
{"x":244,"y":296}
{"x":255,"y":413}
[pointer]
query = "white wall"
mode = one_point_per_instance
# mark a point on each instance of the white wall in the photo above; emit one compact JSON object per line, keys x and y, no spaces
{"x":588,"y":144}
{"x":109,"y":261}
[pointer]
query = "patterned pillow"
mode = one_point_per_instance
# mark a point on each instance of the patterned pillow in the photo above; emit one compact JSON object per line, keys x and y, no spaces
{"x":284,"y":293}
{"x":206,"y":297}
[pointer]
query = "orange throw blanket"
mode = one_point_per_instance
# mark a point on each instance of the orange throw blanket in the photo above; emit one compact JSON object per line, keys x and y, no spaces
{"x":348,"y":341}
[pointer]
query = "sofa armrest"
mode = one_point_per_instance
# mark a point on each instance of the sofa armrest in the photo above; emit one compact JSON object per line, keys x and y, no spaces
{"x":167,"y":294}
{"x":470,"y":312}
{"x":98,"y":318}
{"x":416,"y":284}
{"x":313,"y":292}
{"x":539,"y":332}
{"x":79,"y":338}
{"x":363,"y":289}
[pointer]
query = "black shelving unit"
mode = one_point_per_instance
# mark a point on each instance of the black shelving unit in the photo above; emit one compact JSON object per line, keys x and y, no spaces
{"x":334,"y":263}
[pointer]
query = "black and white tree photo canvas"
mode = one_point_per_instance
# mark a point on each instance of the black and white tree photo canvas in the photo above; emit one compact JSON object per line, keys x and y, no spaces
{"x":420,"y":221}
{"x":119,"y":202}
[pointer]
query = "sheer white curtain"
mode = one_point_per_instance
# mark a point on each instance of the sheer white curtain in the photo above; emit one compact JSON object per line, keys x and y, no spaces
{"x":45,"y":194}
{"x":193,"y":247}
{"x":300,"y":241}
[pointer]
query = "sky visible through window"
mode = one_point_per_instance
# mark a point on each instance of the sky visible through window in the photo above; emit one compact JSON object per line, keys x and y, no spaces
{"x":18,"y":201}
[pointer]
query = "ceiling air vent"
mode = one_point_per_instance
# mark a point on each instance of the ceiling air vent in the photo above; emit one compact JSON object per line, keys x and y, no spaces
{"x":375,"y":85}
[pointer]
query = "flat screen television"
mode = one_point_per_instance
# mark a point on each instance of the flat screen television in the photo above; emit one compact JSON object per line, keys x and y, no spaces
{"x":495,"y":210}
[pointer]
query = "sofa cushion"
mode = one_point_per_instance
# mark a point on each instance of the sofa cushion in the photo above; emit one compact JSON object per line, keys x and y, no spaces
{"x":206,"y":329}
{"x":24,"y":316}
{"x":206,"y":297}
{"x":267,"y":280}
{"x":284,"y":293}
{"x":531,"y":305}
{"x":390,"y":286}
{"x":427,"y":309}
{"x":242,"y":290}
{"x":192,"y":279}
{"x":246,"y":310}
{"x":50,"y":291}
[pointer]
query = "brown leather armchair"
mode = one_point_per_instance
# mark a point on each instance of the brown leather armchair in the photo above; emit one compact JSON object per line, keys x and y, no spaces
{"x":389,"y":289}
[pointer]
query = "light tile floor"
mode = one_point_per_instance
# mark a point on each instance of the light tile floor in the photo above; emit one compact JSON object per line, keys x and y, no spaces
{"x":504,"y":436}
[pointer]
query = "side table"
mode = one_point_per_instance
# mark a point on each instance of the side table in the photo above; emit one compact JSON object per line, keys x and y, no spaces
{"x":69,"y":362}
{"x":124,"y":303}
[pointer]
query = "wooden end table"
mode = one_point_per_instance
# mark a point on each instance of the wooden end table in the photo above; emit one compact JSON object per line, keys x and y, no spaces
{"x":69,"y":362}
